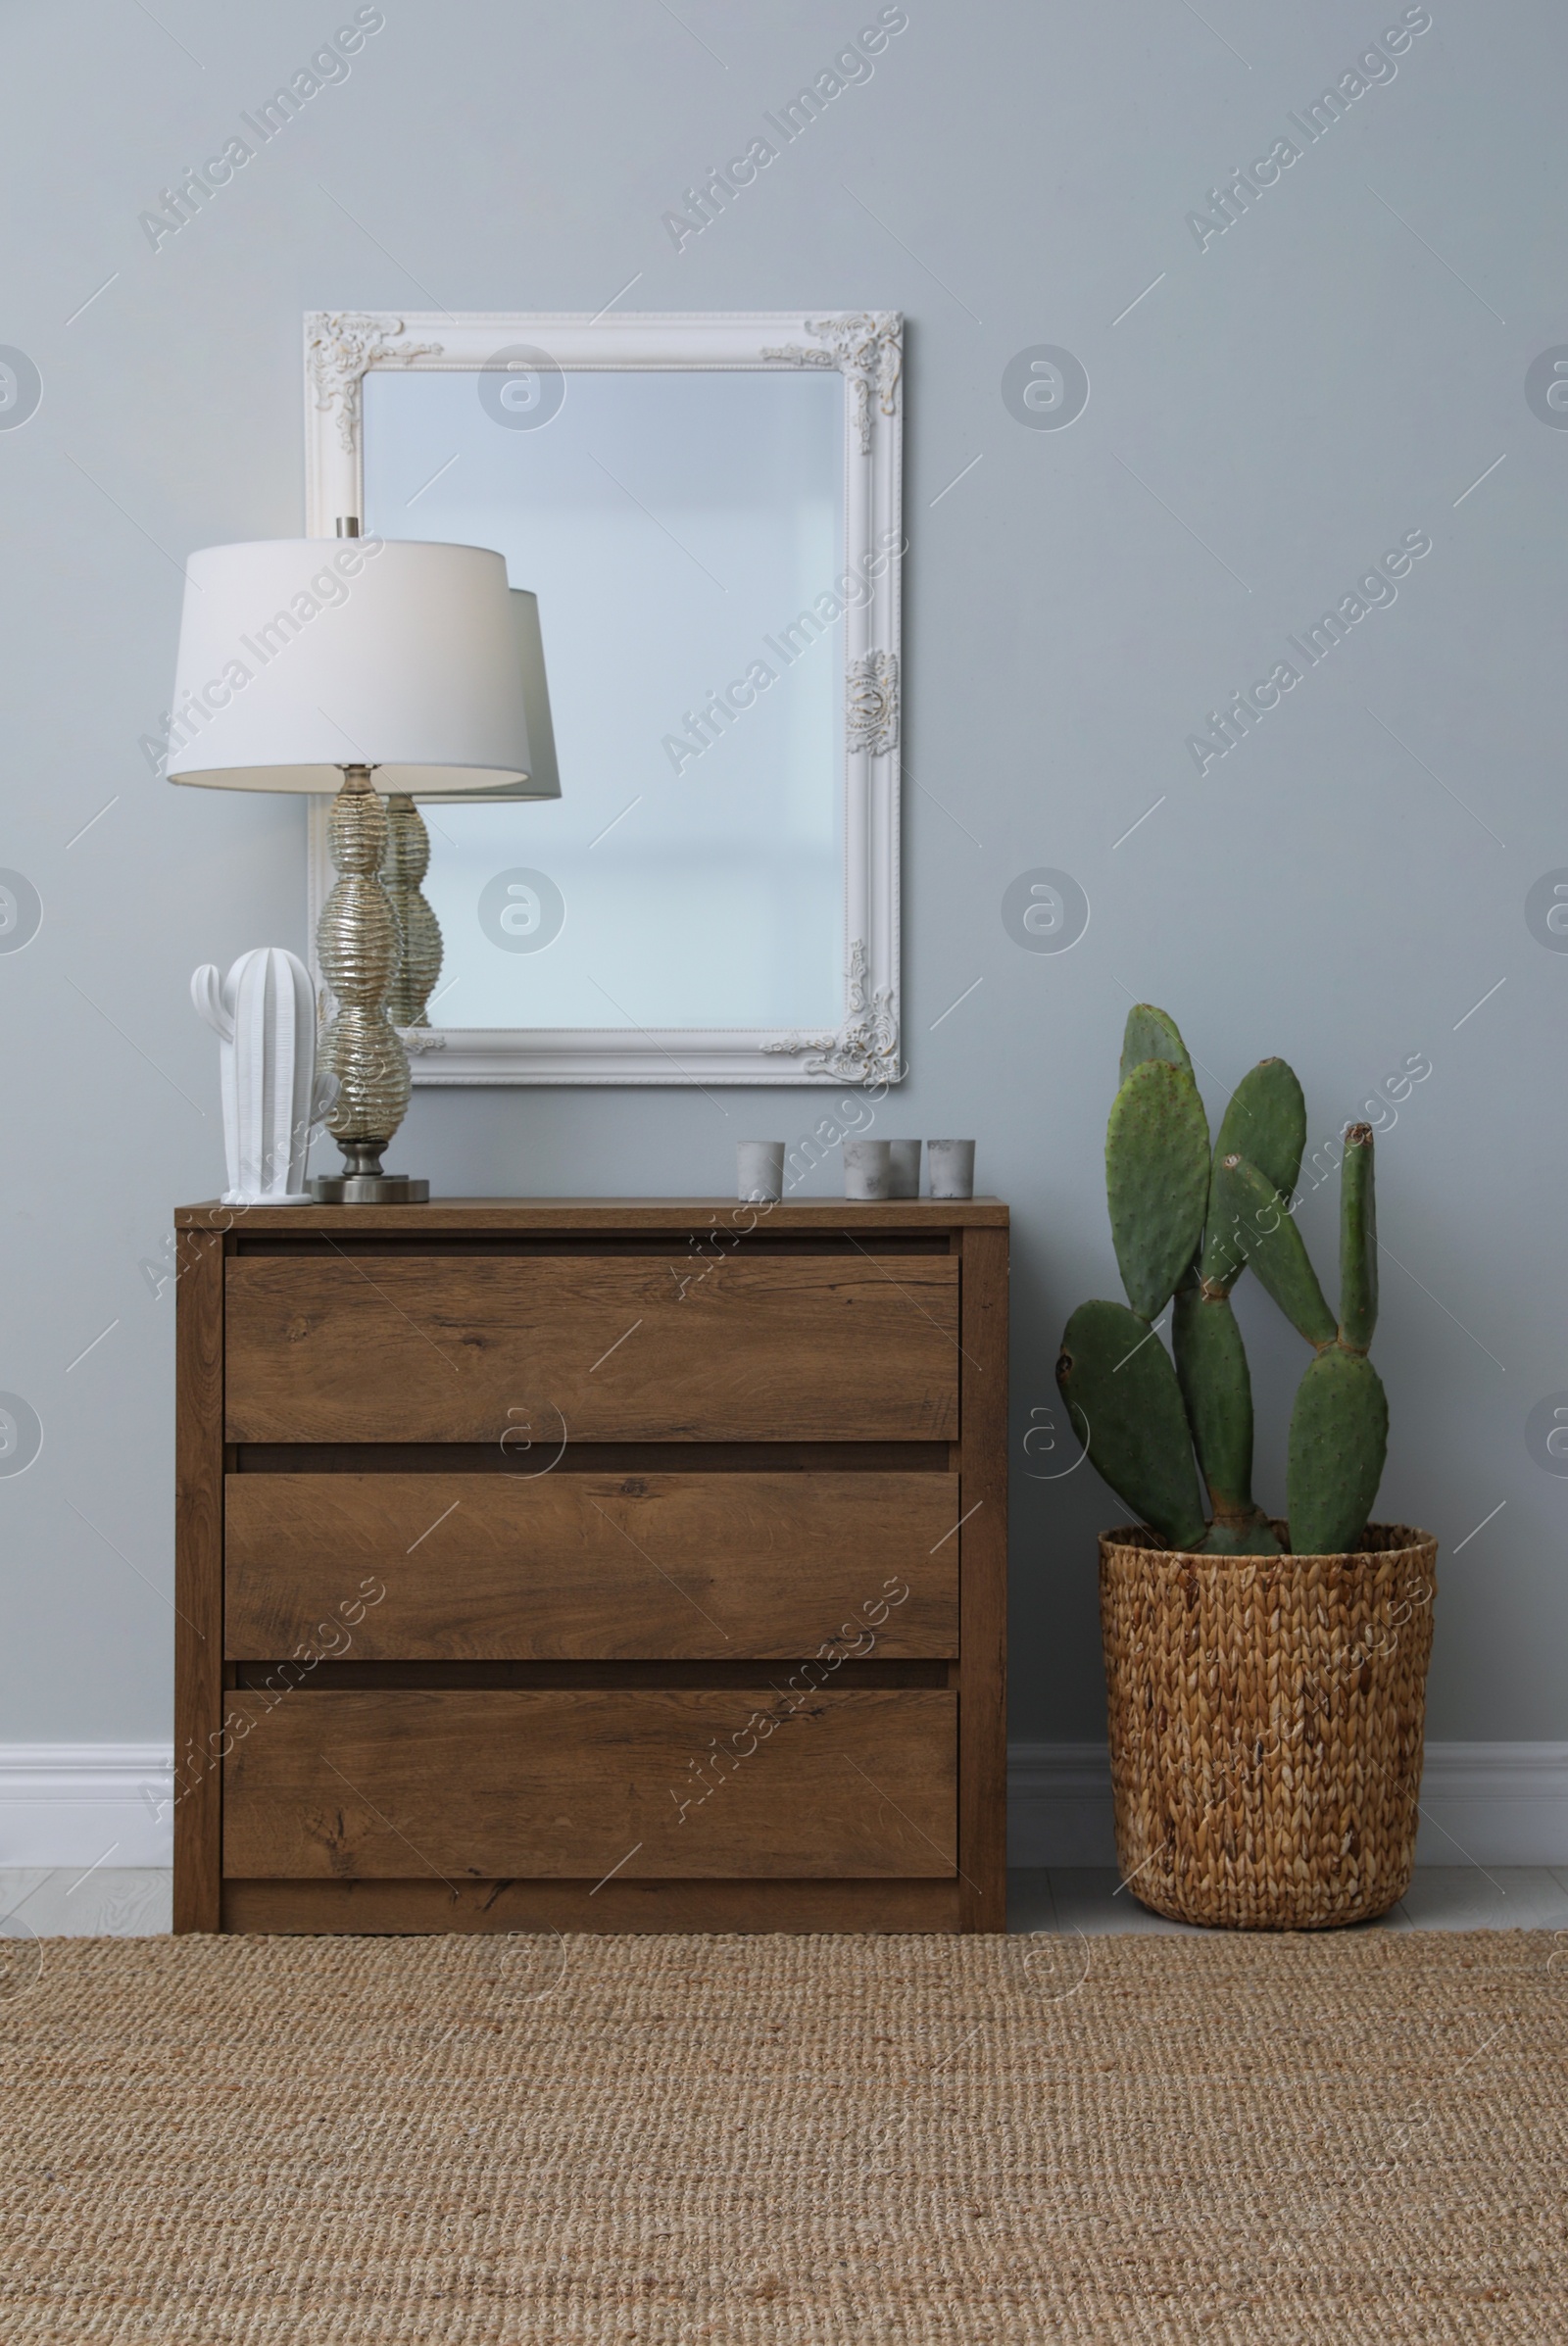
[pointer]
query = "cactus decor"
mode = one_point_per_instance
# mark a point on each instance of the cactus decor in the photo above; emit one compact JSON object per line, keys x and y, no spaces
{"x":276,"y":1093}
{"x":1187,"y":1221}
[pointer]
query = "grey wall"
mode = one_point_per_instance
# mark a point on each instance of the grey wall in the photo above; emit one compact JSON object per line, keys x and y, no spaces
{"x":1333,"y":371}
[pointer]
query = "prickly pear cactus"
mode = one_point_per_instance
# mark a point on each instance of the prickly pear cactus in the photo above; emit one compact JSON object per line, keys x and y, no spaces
{"x":1186,"y":1222}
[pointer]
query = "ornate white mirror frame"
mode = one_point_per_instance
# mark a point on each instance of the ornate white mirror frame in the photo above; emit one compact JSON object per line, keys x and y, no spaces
{"x":342,"y":347}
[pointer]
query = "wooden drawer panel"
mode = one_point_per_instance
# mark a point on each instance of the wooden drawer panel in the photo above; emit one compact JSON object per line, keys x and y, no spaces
{"x":491,"y":1567}
{"x":511,"y":1786}
{"x":454,"y":1349}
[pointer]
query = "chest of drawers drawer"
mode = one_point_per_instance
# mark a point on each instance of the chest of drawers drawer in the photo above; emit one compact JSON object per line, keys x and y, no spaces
{"x":489,"y":1567}
{"x":818,"y":1349}
{"x":547,"y":1564}
{"x":517,"y":1785}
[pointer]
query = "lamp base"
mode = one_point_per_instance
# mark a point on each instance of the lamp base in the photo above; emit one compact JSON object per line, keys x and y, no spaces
{"x":368,"y":1189}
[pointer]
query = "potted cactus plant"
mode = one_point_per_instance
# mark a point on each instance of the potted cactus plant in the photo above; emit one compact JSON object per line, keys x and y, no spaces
{"x":1266,"y":1677}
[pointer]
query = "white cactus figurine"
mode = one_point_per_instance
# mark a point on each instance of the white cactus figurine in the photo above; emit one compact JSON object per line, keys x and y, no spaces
{"x":263,"y":1014}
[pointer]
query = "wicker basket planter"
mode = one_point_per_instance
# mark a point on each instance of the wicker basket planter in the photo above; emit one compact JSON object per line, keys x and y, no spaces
{"x":1266,"y":1719}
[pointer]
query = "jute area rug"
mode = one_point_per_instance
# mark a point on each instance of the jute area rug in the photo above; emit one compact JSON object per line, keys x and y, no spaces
{"x":1271,"y":2140}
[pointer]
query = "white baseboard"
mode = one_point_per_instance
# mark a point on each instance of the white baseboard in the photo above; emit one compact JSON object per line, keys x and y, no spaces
{"x":1058,"y":1805}
{"x":1494,"y":1804}
{"x":1489,"y":1804}
{"x":79,"y":1804}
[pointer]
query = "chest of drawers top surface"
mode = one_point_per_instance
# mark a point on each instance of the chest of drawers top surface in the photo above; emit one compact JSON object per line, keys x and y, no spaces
{"x":591,"y":1215}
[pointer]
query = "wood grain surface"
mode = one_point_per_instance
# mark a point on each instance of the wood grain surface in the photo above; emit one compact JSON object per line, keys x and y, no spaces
{"x":459,"y":1348}
{"x":982,"y":1632}
{"x":623,"y":1903}
{"x":504,"y":1784}
{"x":483,"y":1216}
{"x":513,"y":1567}
{"x":582,"y":1699}
{"x":198,"y":1578}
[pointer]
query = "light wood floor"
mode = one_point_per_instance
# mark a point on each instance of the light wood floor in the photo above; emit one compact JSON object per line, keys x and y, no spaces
{"x":1441,"y":1898}
{"x":65,"y":1902}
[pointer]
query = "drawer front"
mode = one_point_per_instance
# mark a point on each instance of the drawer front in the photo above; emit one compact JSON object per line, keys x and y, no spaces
{"x":517,"y":1784}
{"x":453,"y":1349}
{"x":491,"y":1567}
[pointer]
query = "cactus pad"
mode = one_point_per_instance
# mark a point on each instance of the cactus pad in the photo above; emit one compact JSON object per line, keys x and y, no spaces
{"x":1151,"y":1033}
{"x":1157,"y":1178}
{"x":1358,"y":1240}
{"x":1211,"y":1369}
{"x":1266,"y":1123}
{"x":1339,"y":1437}
{"x":1122,"y":1395}
{"x":1257,"y":1214}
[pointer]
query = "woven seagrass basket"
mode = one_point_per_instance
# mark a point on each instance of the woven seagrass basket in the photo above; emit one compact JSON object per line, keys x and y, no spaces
{"x":1266,"y":1717}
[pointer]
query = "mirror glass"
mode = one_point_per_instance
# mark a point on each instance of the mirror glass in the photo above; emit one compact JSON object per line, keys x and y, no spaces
{"x":682,"y":529}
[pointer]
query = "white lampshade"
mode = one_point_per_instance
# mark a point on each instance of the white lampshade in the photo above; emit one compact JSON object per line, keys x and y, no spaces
{"x":543,"y":779}
{"x":300,"y":656}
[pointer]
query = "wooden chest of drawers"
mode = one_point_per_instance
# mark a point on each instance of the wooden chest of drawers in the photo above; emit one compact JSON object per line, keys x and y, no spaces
{"x":591,"y":1564}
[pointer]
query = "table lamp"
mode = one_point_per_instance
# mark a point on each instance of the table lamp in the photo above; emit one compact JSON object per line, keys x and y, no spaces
{"x":312,"y":664}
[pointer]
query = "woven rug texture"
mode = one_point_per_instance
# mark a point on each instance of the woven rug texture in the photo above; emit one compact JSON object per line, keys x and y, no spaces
{"x":1266,"y":2140}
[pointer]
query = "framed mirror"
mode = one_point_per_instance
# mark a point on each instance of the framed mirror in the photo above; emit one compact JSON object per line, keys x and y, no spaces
{"x":708,"y":509}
